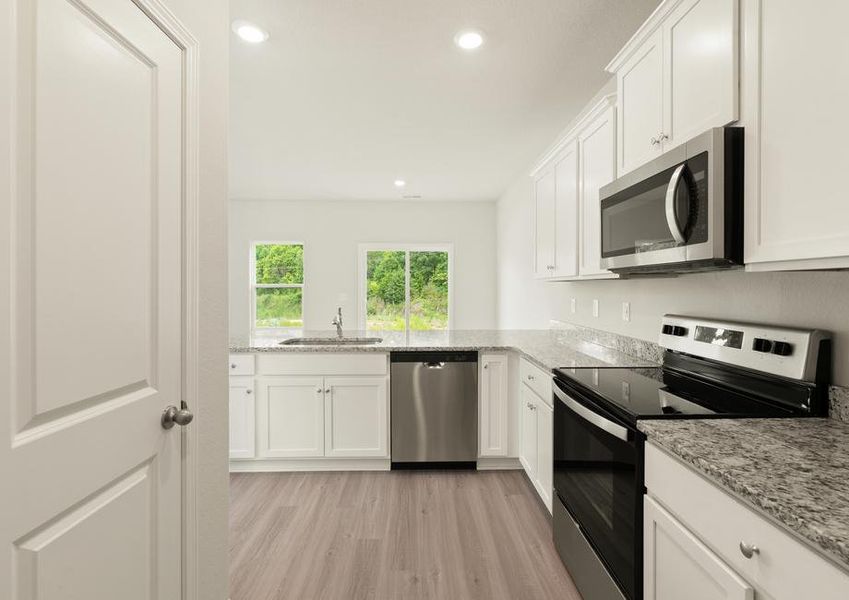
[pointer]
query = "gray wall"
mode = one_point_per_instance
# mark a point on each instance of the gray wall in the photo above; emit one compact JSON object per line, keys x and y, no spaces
{"x":331,"y":233}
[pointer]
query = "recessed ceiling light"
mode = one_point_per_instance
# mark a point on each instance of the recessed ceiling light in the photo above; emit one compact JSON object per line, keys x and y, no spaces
{"x":250,"y":32}
{"x":469,"y":39}
{"x":399,"y":183}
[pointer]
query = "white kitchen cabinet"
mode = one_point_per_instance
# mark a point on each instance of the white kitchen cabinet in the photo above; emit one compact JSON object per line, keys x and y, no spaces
{"x":356,"y":418}
{"x":718,"y":534}
{"x":677,"y":77}
{"x":528,"y":423}
{"x":566,"y":212}
{"x":677,"y":565}
{"x":566,"y":200}
{"x":597,"y":151}
{"x":640,"y":84}
{"x":242,"y":417}
{"x":536,"y":435}
{"x":545,"y":452}
{"x":290,"y":417}
{"x":493,"y":406}
{"x":794,"y":97}
{"x":545,"y":233}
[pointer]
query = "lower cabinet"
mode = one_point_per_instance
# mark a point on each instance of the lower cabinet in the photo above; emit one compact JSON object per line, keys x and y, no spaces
{"x":356,"y":419}
{"x":493,"y":406}
{"x":677,"y":565}
{"x":242,"y":417}
{"x":537,"y":438}
{"x":304,"y":416}
{"x":290,"y":417}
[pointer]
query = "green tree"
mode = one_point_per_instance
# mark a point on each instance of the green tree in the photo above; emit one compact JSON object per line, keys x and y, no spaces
{"x":279,"y":263}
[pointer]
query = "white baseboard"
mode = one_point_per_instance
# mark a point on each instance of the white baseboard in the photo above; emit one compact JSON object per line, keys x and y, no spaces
{"x":273,"y":465}
{"x":488,"y":463}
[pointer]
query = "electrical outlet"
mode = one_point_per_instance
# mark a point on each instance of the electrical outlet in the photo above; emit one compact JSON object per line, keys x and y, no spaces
{"x":626,"y":392}
{"x":595,"y":307}
{"x":626,"y":311}
{"x":573,"y":305}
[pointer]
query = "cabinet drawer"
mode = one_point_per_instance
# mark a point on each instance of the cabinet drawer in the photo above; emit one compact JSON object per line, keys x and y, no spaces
{"x":535,"y":378}
{"x":318,"y":363}
{"x":241,"y":364}
{"x":784,"y":568}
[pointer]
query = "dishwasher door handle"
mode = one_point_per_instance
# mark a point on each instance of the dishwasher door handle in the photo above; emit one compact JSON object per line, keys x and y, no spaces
{"x":434,"y":365}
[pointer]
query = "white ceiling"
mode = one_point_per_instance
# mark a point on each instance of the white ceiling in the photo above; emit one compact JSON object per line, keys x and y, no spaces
{"x":348,"y":95}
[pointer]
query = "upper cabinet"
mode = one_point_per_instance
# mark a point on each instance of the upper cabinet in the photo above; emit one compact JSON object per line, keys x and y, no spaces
{"x":676,"y":77}
{"x":794,"y":94}
{"x":566,"y":197}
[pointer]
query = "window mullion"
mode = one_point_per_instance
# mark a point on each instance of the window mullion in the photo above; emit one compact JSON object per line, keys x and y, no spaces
{"x":407,"y":291}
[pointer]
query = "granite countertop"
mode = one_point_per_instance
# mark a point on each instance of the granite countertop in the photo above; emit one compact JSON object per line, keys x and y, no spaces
{"x":548,"y":348}
{"x":794,"y":470}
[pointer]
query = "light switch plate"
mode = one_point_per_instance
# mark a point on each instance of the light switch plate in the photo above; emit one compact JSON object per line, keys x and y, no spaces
{"x":626,"y":311}
{"x":595,"y":307}
{"x":573,"y":305}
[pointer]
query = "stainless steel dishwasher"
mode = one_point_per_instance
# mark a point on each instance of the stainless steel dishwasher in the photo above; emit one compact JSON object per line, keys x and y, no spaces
{"x":434,"y":409}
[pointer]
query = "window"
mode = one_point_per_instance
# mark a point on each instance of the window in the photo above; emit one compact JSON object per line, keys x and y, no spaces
{"x":405,"y":288}
{"x":277,"y":286}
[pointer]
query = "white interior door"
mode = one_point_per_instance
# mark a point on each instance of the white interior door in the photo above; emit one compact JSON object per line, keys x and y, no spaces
{"x":90,"y":273}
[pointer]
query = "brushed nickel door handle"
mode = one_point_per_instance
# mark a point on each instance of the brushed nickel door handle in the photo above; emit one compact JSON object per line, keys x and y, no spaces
{"x":176,"y":416}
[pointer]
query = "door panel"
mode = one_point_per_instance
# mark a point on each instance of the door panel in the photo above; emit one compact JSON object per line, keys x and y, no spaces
{"x":528,"y":456}
{"x":544,"y":199}
{"x":598,"y":168}
{"x":677,"y":565}
{"x":356,"y":419}
{"x":92,"y":327}
{"x":566,"y":213}
{"x":641,"y":104}
{"x":290,"y":417}
{"x":242,"y":418}
{"x":494,"y":405}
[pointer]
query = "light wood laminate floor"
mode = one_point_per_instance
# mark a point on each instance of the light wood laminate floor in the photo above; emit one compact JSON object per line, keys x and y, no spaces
{"x":448,"y":535}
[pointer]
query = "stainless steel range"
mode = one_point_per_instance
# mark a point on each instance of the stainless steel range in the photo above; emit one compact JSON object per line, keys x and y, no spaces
{"x":711,"y":369}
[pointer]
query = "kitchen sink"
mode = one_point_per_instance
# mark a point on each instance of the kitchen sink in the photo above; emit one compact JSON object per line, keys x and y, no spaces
{"x":331,"y":341}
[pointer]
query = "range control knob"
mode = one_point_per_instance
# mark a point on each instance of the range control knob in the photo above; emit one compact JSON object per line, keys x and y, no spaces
{"x":782,"y":348}
{"x":666,"y":330}
{"x":675,"y":330}
{"x":762,"y":345}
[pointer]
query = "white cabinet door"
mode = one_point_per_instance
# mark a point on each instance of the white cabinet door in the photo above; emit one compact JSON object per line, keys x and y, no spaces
{"x":545,"y":452}
{"x":700,"y":68}
{"x":677,"y":565}
{"x":493,"y":406}
{"x":528,"y":424}
{"x":544,"y":202}
{"x":566,"y":212}
{"x":796,"y":130}
{"x":290,"y":417}
{"x":640,"y":84}
{"x":356,"y":417}
{"x":597,"y":168}
{"x":242,"y":418}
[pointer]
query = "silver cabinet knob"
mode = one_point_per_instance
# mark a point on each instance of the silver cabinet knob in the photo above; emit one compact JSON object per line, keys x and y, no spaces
{"x":654,"y":141}
{"x":318,"y":390}
{"x":663,"y":137}
{"x":328,"y":390}
{"x":485,"y":365}
{"x":176,"y":416}
{"x":530,"y":377}
{"x":749,"y":550}
{"x":249,"y":391}
{"x":232,"y":365}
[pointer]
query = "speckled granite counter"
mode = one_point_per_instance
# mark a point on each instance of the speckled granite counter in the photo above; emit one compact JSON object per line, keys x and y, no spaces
{"x":794,"y":470}
{"x":550,"y":348}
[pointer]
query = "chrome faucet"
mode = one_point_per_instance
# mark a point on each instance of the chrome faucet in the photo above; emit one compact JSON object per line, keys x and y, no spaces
{"x":337,"y":320}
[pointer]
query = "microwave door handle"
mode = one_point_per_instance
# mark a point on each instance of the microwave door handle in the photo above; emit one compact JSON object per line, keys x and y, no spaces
{"x":671,"y":219}
{"x":594,"y":418}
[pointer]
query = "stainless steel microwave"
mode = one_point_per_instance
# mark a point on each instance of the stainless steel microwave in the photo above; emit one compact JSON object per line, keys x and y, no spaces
{"x":682,"y":212}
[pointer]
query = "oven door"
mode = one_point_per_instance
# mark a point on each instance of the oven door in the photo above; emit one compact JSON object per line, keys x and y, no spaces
{"x":598,"y":476}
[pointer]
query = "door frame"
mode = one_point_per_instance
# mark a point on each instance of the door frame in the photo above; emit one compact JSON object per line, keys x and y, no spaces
{"x":162,"y":16}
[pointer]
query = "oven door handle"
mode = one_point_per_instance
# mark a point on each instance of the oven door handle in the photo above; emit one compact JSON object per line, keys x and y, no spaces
{"x":671,"y":218}
{"x":594,"y":418}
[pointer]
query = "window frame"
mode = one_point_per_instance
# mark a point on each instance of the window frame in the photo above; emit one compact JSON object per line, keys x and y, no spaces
{"x":362,"y":274}
{"x":254,"y":286}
